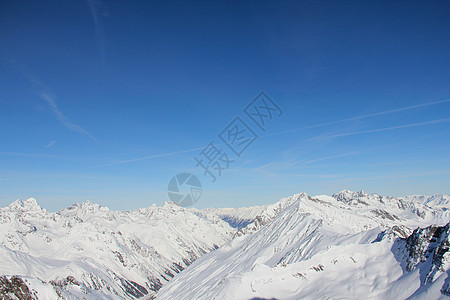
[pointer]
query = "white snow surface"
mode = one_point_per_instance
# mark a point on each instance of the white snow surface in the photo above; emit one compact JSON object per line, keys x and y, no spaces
{"x":124,"y":253}
{"x":345,"y":246}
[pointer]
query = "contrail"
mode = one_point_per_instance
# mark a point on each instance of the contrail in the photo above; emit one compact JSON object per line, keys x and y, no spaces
{"x":141,"y":158}
{"x":63,"y":119}
{"x":43,"y":92}
{"x":386,"y":112}
{"x":302,"y":162}
{"x":297,"y":129}
{"x":305,"y":162}
{"x":50,"y":144}
{"x":96,"y":166}
{"x":98,"y":12}
{"x":437,"y":121}
{"x":34,"y":155}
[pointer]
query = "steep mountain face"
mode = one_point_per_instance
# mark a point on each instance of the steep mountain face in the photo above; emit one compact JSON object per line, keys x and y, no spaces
{"x":350,"y":245}
{"x":90,"y":249}
{"x":427,"y":250}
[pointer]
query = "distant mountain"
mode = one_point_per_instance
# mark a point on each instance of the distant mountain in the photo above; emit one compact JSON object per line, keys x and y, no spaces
{"x":349,"y":245}
{"x":409,"y":211}
{"x":250,"y":218}
{"x":89,"y":249}
{"x":237,"y":217}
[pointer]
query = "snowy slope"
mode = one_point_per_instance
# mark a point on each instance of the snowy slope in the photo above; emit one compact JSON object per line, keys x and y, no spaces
{"x":348,"y":246}
{"x":129,"y":253}
{"x":299,"y":243}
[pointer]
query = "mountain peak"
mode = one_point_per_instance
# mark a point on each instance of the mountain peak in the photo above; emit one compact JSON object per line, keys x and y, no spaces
{"x":29,"y":204}
{"x":362,"y":193}
{"x":438,"y":200}
{"x":88,"y":203}
{"x":171,"y":205}
{"x":351,"y":197}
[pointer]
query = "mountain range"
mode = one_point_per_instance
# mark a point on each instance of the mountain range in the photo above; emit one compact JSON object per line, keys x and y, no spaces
{"x":349,"y":245}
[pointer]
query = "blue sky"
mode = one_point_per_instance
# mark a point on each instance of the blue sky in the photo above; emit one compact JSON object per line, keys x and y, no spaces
{"x":105,"y":100}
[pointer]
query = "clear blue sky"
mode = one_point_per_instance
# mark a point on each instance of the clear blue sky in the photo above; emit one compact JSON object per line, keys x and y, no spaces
{"x":87,"y":88}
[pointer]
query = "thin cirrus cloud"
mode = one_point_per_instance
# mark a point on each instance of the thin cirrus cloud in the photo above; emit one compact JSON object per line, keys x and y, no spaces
{"x":98,"y":12}
{"x":303,"y":162}
{"x":431,"y":122}
{"x":360,"y":117}
{"x":120,"y":162}
{"x":43,"y":91}
{"x":312,"y":126}
{"x":77,"y":128}
{"x":51,"y":144}
{"x":92,"y":167}
{"x":62,"y":118}
{"x":36,"y":155}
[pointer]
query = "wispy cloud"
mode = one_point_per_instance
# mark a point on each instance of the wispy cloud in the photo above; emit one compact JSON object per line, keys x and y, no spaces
{"x":51,"y":144}
{"x":360,"y":117}
{"x":62,"y":118}
{"x":431,"y":122}
{"x":263,"y":166}
{"x":36,"y":155}
{"x":317,"y":125}
{"x":120,"y":162}
{"x":167,"y":154}
{"x":98,"y":12}
{"x":303,"y":162}
{"x":43,"y":91}
{"x":362,"y":151}
{"x":28,"y":154}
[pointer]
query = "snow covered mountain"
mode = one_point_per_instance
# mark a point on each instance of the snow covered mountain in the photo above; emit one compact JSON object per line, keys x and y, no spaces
{"x":238,"y":217}
{"x":351,"y":245}
{"x":348,"y":245}
{"x":411,"y":211}
{"x":89,"y":249}
{"x":249,"y":219}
